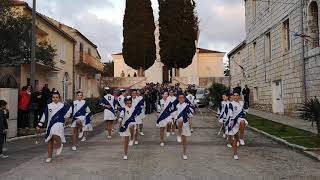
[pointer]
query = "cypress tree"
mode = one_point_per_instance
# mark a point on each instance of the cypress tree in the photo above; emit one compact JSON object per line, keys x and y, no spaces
{"x":178,"y":32}
{"x":139,"y":49}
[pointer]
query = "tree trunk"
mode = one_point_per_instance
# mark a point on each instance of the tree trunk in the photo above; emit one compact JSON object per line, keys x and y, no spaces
{"x":318,"y":125}
{"x":140,"y":72}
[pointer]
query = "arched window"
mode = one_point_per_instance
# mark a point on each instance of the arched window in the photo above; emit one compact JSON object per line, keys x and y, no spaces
{"x":313,"y":23}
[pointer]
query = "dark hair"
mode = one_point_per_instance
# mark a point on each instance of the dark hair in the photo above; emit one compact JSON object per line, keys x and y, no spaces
{"x":56,"y":93}
{"x":3,"y":103}
{"x":24,"y":88}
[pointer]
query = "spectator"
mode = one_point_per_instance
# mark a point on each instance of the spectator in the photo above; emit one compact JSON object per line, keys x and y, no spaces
{"x":46,"y":95}
{"x":23,"y":106}
{"x":246,"y":95}
{"x":4,"y":116}
{"x":37,"y":105}
{"x":237,"y":89}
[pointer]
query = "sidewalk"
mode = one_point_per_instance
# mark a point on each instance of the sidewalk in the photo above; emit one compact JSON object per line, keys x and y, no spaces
{"x":287,"y":120}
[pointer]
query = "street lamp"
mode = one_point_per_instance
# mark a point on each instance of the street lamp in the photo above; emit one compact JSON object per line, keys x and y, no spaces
{"x":33,"y":46}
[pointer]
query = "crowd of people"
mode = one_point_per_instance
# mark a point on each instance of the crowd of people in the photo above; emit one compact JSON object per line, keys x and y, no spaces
{"x":32,"y":101}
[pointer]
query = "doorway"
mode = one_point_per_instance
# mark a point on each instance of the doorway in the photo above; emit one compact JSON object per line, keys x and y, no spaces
{"x":277,"y":97}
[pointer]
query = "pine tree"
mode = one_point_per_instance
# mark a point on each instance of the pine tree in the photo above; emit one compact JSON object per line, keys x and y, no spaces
{"x":178,"y":32}
{"x":139,"y":49}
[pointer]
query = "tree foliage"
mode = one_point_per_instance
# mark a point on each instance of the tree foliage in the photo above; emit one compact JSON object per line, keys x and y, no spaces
{"x":216,"y":91}
{"x":108,"y":70}
{"x":15,"y":41}
{"x":178,"y":25}
{"x":139,"y":49}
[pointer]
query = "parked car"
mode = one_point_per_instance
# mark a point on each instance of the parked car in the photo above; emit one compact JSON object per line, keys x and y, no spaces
{"x":201,"y":97}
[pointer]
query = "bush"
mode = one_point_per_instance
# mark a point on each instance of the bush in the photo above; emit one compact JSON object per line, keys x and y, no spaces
{"x":310,"y":110}
{"x":216,"y":91}
{"x":93,"y":103}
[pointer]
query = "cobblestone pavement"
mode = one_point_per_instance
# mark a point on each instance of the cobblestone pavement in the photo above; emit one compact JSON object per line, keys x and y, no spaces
{"x":209,"y":158}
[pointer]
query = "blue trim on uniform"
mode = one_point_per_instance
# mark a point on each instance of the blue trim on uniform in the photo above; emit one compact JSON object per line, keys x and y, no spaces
{"x":128,"y":121}
{"x":81,"y":112}
{"x":105,"y":102}
{"x":165,"y":113}
{"x":58,"y":117}
{"x":185,"y":114}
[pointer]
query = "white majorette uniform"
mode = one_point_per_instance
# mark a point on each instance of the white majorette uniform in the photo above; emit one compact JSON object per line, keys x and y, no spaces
{"x":109,"y":113}
{"x":190,"y":100}
{"x":224,"y":112}
{"x":237,"y":114}
{"x":127,"y":119}
{"x":174,"y":101}
{"x":165,"y":110}
{"x":121,"y":102}
{"x":183,"y":113}
{"x":139,"y":105}
{"x":54,"y":116}
{"x":79,"y":110}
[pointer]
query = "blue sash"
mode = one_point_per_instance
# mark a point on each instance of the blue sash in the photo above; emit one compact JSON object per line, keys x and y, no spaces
{"x":184,"y":114}
{"x":138,"y":108}
{"x":88,"y":118}
{"x":174,"y":104}
{"x":166,"y":113}
{"x":105,"y":102}
{"x":81,"y":112}
{"x":130,"y":120}
{"x":58,"y":117}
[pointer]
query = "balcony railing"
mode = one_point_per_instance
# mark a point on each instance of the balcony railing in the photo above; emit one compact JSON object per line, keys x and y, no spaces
{"x":85,"y":59}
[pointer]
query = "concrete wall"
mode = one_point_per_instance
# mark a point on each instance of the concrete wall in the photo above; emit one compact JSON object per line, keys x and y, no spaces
{"x":11,"y":96}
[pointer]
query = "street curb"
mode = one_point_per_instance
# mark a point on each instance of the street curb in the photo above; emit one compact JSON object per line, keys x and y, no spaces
{"x":298,"y":148}
{"x":41,"y":134}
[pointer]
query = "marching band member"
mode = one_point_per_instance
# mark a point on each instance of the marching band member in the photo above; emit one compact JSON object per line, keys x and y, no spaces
{"x":174,"y":101}
{"x":127,"y":123}
{"x":142,"y":116}
{"x":137,"y":103}
{"x":121,"y":98}
{"x":54,"y":116}
{"x":79,"y":112}
{"x":223,"y":112}
{"x":236,"y":124}
{"x":109,"y":103}
{"x":192,"y":103}
{"x":164,"y":115}
{"x":182,"y":117}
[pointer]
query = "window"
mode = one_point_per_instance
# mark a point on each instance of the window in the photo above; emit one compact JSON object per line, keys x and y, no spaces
{"x":254,"y":9}
{"x":267,"y":47}
{"x":254,"y":55}
{"x":62,"y":52}
{"x":239,"y":63}
{"x":89,"y":51}
{"x":255,"y":94}
{"x":286,"y":36}
{"x":313,"y":24}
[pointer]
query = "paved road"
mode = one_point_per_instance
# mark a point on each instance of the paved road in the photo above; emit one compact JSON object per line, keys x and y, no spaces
{"x":209,"y":158}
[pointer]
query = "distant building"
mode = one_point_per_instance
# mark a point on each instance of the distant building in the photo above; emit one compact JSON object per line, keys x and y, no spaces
{"x":280,"y":58}
{"x":87,"y":65}
{"x":59,"y":77}
{"x":207,"y":64}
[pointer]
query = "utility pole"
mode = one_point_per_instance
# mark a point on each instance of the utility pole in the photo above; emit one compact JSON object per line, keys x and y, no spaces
{"x":33,"y":48}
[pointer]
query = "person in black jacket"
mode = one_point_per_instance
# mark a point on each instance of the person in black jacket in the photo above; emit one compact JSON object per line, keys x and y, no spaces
{"x":4,"y":116}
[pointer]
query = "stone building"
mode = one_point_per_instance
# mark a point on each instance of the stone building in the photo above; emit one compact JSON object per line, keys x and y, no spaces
{"x":280,"y":58}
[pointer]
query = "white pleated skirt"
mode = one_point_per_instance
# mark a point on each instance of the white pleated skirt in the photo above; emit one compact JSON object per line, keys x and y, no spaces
{"x":58,"y":130}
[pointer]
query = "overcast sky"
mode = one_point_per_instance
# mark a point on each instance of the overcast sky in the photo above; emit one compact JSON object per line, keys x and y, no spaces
{"x":221,"y":21}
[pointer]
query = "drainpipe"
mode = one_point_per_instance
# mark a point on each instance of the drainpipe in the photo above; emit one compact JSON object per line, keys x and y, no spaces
{"x":304,"y":80}
{"x":73,"y":72}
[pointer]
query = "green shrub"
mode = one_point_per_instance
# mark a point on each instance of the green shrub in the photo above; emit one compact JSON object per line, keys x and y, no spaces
{"x":216,"y":91}
{"x":310,"y":110}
